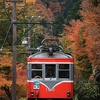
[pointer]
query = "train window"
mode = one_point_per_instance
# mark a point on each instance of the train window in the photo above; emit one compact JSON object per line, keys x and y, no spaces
{"x":64,"y":71}
{"x":36,"y":74}
{"x":64,"y":66}
{"x":36,"y":70}
{"x":36,"y":66}
{"x":50,"y":70}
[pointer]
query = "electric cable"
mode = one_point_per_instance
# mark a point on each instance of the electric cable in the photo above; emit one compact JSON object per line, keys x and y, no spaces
{"x":5,"y":37}
{"x":23,"y":34}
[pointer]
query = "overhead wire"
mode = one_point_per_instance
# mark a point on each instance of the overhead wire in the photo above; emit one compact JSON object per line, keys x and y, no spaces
{"x":23,"y":34}
{"x":8,"y":33}
{"x":20,"y":36}
{"x":6,"y":37}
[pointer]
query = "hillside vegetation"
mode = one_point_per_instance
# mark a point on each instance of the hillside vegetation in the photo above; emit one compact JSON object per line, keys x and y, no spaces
{"x":77,"y":25}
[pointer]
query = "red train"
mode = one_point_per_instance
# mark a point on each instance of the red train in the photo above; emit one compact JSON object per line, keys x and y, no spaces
{"x":50,"y":73}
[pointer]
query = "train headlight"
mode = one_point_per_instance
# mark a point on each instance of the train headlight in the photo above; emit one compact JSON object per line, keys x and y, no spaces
{"x":68,"y":93}
{"x":32,"y":93}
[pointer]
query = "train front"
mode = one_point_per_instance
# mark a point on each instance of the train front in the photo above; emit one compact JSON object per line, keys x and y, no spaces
{"x":50,"y":75}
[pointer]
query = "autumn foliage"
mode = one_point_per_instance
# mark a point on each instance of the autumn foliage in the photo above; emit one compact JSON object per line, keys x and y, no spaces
{"x":74,"y":34}
{"x":81,"y":39}
{"x":84,"y":39}
{"x":6,"y":77}
{"x":91,"y":14}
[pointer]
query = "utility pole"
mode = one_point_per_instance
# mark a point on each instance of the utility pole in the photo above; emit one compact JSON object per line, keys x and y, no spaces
{"x":14,"y":50}
{"x":14,"y":31}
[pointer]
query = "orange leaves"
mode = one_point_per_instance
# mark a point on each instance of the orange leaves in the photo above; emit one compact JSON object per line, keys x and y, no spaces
{"x":36,"y":8}
{"x":85,"y":36}
{"x":6,"y":74}
{"x":22,"y":80}
{"x":28,"y":1}
{"x":21,"y":75}
{"x":3,"y":81}
{"x":20,"y":66}
{"x":73,"y":34}
{"x":5,"y":66}
{"x":43,"y":11}
{"x":91,"y":17}
{"x":91,"y":14}
{"x":5,"y":61}
{"x":93,"y":48}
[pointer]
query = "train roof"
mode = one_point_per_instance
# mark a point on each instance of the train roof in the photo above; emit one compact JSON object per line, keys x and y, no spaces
{"x":46,"y":55}
{"x":50,"y":48}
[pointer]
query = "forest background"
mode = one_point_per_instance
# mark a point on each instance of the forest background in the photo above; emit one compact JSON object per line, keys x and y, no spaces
{"x":78,"y":26}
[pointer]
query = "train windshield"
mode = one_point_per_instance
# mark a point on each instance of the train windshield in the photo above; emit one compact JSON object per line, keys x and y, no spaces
{"x":50,"y":70}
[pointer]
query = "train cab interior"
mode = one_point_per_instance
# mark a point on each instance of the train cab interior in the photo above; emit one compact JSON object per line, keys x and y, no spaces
{"x":50,"y":71}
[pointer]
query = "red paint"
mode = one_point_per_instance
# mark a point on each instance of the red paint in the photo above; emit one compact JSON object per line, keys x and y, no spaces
{"x":50,"y":60}
{"x":59,"y":91}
